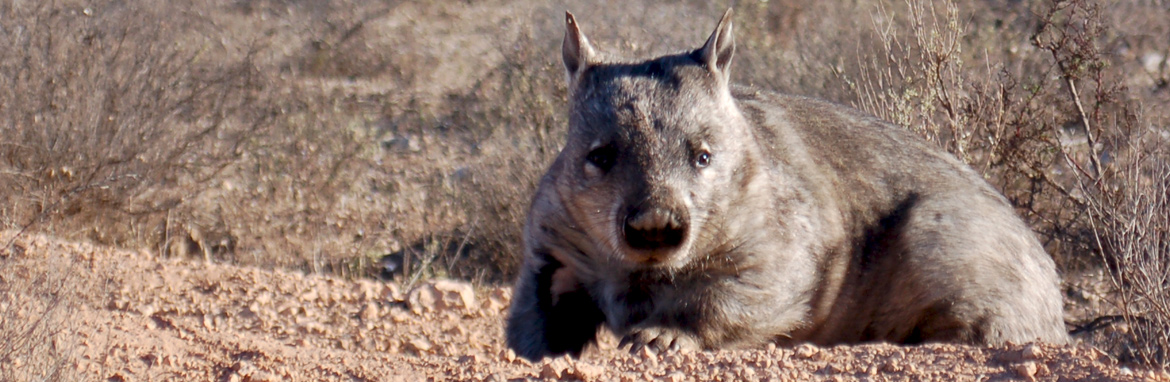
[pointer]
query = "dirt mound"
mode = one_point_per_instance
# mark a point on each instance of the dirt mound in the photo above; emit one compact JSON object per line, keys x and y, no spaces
{"x":76,"y":311}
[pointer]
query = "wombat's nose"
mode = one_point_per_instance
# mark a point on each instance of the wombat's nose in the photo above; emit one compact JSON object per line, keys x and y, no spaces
{"x":654,"y":228}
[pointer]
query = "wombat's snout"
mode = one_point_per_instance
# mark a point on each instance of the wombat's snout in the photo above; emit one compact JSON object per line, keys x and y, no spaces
{"x":656,"y":230}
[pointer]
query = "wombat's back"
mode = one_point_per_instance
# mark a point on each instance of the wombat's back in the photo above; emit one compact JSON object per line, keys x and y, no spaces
{"x":918,"y":224}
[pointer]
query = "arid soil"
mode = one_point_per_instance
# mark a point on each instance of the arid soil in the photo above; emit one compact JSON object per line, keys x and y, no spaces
{"x":83,"y":312}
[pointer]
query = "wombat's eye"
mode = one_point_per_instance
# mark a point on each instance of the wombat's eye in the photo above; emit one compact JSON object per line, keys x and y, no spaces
{"x":602,"y":157}
{"x":703,"y":159}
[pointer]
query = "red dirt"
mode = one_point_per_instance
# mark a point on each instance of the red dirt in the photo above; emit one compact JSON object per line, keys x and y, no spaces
{"x":75,"y":311}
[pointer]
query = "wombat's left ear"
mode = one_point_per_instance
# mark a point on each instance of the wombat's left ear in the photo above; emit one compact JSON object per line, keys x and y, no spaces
{"x":719,"y":49}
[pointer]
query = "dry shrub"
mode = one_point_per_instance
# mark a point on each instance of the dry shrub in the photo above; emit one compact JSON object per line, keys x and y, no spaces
{"x":89,"y":111}
{"x":1129,"y":213}
{"x":38,"y":303}
{"x":517,"y":109}
{"x":1122,"y":177}
{"x":917,"y":83}
{"x":142,"y":125}
{"x":1051,"y":123}
{"x":89,"y":102}
{"x":32,"y":313}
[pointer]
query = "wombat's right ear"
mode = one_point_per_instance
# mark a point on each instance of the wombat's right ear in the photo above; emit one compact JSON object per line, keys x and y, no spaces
{"x":720,"y":48}
{"x":576,"y":49}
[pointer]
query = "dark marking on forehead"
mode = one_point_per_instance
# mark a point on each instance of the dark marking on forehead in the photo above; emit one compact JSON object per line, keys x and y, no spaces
{"x":639,"y":100}
{"x":655,"y":69}
{"x":665,"y":70}
{"x":655,"y":84}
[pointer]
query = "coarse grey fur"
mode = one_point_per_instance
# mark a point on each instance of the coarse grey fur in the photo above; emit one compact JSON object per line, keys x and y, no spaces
{"x":685,"y":211}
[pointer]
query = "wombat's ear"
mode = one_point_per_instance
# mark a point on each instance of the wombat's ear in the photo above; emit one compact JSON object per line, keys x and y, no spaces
{"x":720,"y":47}
{"x":576,"y":49}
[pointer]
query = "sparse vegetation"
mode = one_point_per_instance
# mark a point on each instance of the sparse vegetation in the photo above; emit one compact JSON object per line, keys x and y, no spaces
{"x":1061,"y":135}
{"x":322,"y":136}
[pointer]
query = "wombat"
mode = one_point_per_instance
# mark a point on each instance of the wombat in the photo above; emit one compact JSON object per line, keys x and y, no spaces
{"x":687,"y":212}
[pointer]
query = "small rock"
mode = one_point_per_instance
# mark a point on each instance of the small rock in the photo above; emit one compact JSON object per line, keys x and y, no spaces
{"x":1026,"y":370}
{"x":647,"y":354}
{"x":806,"y":351}
{"x":264,"y":299}
{"x":498,"y":300}
{"x":503,"y":293}
{"x":1042,"y":370}
{"x":508,"y":355}
{"x":264,"y":376}
{"x":458,"y":331}
{"x":420,"y":345}
{"x":365,"y":290}
{"x":423,"y":299}
{"x":677,"y":376}
{"x":399,"y":316}
{"x":245,"y":369}
{"x":147,"y":309}
{"x":313,"y":327}
{"x":391,"y":292}
{"x":550,"y":372}
{"x":393,"y":347}
{"x":369,"y":311}
{"x":1031,"y":352}
{"x":456,"y":295}
{"x":586,"y":372}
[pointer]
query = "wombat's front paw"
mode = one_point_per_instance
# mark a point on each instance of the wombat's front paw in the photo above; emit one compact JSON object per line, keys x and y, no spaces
{"x":659,"y":340}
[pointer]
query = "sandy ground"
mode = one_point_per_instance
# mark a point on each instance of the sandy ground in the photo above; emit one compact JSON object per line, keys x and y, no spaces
{"x":75,"y":311}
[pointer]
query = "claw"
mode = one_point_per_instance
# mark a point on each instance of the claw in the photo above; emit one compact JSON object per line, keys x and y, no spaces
{"x":636,"y":346}
{"x":657,"y":345}
{"x":626,"y":341}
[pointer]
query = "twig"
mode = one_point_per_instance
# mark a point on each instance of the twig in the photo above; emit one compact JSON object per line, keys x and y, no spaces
{"x":1072,"y":87}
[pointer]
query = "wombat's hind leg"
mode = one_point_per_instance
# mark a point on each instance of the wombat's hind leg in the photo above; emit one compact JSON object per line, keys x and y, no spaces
{"x":939,"y":325}
{"x":551,"y":313}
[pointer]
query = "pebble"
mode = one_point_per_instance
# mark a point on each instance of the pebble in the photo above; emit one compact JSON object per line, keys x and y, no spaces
{"x":806,"y":351}
{"x":508,"y":355}
{"x":420,"y":345}
{"x":1031,"y":352}
{"x":456,"y":295}
{"x":1026,"y":370}
{"x":550,"y":372}
{"x":586,"y":372}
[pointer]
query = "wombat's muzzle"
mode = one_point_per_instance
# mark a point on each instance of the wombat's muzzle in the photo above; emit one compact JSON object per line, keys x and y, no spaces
{"x":654,"y":232}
